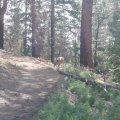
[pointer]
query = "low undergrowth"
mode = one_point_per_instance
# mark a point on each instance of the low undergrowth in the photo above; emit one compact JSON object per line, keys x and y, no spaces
{"x":81,"y":102}
{"x":80,"y":71}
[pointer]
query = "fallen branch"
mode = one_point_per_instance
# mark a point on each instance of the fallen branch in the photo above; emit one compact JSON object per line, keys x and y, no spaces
{"x":90,"y":81}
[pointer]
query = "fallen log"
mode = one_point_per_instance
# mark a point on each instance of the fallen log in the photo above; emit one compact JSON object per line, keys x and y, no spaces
{"x":101,"y":84}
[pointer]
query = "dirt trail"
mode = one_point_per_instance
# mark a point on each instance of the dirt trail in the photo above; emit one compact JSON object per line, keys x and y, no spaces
{"x":24,"y":85}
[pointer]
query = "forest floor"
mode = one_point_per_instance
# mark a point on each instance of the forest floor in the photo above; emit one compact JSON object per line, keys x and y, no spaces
{"x":25,"y":83}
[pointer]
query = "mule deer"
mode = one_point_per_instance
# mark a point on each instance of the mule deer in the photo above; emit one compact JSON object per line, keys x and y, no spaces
{"x":58,"y":61}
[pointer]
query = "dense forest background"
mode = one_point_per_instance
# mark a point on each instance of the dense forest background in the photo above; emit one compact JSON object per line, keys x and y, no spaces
{"x":84,"y":83}
{"x":84,"y":33}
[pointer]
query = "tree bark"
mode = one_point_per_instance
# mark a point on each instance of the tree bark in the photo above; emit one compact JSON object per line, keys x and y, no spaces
{"x":52,"y":31}
{"x":1,"y":33}
{"x":33,"y":28}
{"x":25,"y":34}
{"x":96,"y":43}
{"x":2,"y":12}
{"x":86,"y":34}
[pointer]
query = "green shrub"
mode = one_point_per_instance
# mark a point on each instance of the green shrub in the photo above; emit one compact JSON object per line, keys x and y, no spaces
{"x":91,"y":101}
{"x":114,"y":46}
{"x":80,"y":89}
{"x":87,"y":74}
{"x":82,"y":72}
{"x":113,"y":113}
{"x":100,"y":105}
{"x":91,"y":104}
{"x":105,"y":95}
{"x":59,"y":109}
{"x":53,"y":110}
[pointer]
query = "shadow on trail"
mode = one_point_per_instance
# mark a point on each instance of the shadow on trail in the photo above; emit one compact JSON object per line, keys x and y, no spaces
{"x":24,"y":91}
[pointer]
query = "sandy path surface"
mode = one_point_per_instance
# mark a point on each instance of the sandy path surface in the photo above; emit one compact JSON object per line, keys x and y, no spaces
{"x":24,"y":86}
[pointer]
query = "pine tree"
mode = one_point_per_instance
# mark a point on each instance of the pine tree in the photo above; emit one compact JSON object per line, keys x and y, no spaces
{"x":114,"y":46}
{"x":86,"y":34}
{"x":14,"y":29}
{"x":3,"y":7}
{"x":25,"y":32}
{"x":52,"y":31}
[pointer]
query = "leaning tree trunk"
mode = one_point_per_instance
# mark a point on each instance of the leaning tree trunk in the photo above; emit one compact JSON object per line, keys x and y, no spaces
{"x":86,"y":34}
{"x":52,"y":31}
{"x":3,"y":7}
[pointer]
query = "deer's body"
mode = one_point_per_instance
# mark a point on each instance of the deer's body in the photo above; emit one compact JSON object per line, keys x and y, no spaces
{"x":58,"y":61}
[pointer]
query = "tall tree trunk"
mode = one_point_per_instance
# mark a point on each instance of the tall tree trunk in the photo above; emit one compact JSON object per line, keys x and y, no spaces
{"x":25,"y":34}
{"x":1,"y":32}
{"x":3,"y":7}
{"x":33,"y":28}
{"x":52,"y":31}
{"x":96,"y":43}
{"x":75,"y":52}
{"x":86,"y":34}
